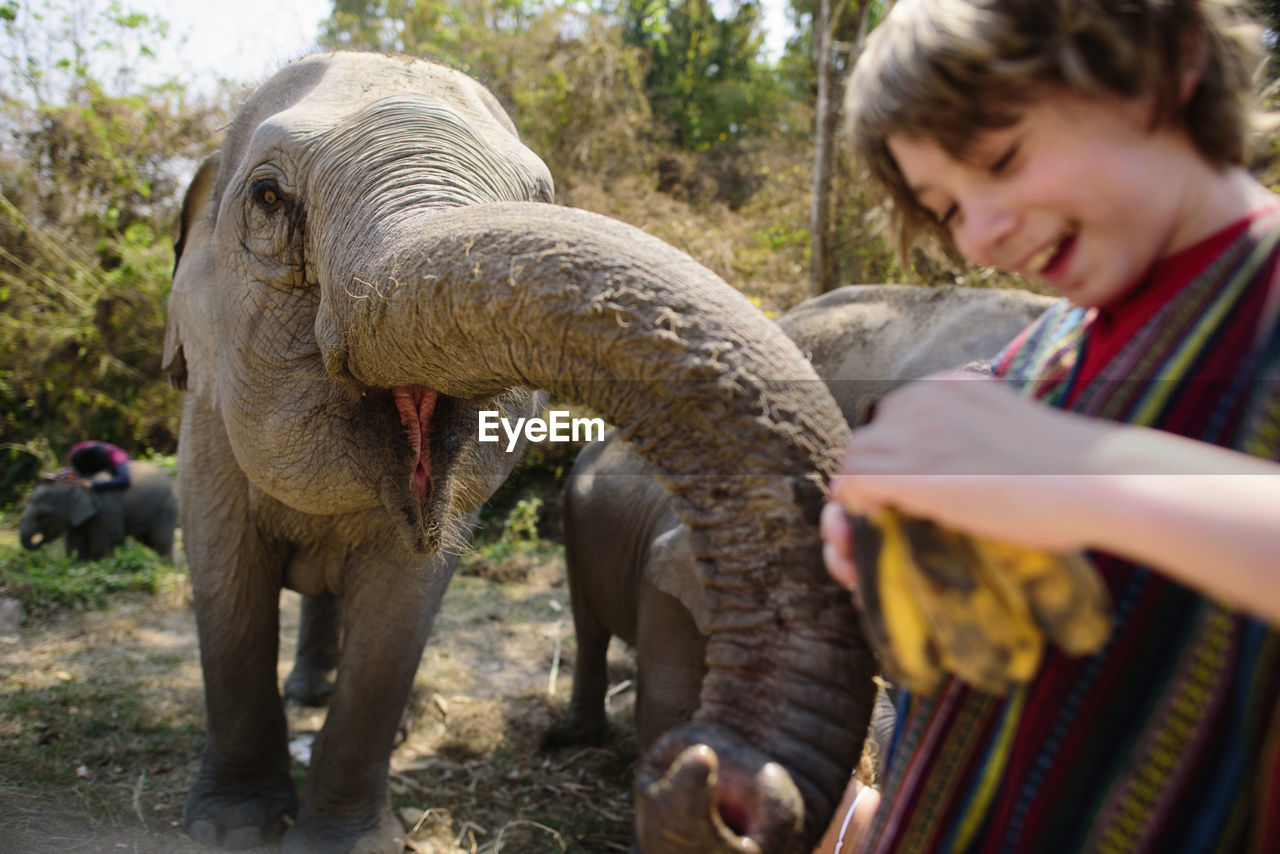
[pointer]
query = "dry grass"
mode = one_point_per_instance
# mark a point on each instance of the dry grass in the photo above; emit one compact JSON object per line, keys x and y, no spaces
{"x":761,"y":248}
{"x":101,"y":724}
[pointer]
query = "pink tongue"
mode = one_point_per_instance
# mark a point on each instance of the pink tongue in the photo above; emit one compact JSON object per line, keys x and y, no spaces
{"x":416,"y":403}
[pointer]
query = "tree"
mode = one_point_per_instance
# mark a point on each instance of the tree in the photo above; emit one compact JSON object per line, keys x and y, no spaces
{"x":706,"y":81}
{"x":481,"y":37}
{"x":839,"y":29}
{"x":91,"y":181}
{"x":574,"y":89}
{"x":1268,"y":12}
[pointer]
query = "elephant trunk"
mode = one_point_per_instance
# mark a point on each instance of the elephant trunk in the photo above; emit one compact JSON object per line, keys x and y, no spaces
{"x":31,"y":537}
{"x":471,"y":301}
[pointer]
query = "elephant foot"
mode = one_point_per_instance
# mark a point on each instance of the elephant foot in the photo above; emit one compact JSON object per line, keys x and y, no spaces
{"x":577,"y":731}
{"x":238,"y":818}
{"x":307,"y":687}
{"x":313,"y":835}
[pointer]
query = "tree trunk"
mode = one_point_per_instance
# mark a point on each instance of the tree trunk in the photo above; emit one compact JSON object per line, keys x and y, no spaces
{"x":823,"y":273}
{"x":824,"y":270}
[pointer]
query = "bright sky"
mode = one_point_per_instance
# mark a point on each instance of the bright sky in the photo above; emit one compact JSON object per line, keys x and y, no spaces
{"x":246,"y":40}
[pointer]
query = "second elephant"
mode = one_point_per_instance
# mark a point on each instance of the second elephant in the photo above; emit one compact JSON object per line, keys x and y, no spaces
{"x":94,"y":523}
{"x":631,"y":572}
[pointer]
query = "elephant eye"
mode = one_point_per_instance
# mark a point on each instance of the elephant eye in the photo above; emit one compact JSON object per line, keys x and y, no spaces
{"x":267,"y":195}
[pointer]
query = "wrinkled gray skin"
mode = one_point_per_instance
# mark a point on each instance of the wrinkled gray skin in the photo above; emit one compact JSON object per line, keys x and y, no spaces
{"x":865,"y":340}
{"x":370,"y":260}
{"x":631,"y":573}
{"x":96,"y":522}
{"x":632,"y":576}
{"x":310,"y":682}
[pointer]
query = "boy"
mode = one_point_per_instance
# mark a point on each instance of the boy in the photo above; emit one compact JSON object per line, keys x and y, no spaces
{"x":94,"y":457}
{"x":1096,"y":145}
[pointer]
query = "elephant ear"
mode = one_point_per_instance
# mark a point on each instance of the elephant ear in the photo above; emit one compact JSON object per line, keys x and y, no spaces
{"x":673,"y":570}
{"x":190,"y":260}
{"x":83,"y":506}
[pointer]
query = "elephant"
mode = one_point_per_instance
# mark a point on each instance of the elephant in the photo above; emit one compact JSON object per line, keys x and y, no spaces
{"x":96,"y":522}
{"x":865,"y":340}
{"x":372,"y":264}
{"x":630,"y":570}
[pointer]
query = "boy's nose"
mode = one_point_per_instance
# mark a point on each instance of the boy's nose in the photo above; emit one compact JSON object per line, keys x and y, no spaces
{"x":984,"y":231}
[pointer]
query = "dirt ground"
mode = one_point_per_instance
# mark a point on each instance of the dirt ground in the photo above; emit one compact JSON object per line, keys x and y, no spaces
{"x":102,"y":726}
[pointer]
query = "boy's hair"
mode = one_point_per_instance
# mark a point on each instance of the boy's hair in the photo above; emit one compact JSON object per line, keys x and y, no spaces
{"x":90,"y":460}
{"x":944,"y":70}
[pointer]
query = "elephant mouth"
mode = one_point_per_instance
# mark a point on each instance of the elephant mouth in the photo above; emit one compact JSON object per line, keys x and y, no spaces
{"x":424,"y":489}
{"x":418,"y":493}
{"x":416,"y":405}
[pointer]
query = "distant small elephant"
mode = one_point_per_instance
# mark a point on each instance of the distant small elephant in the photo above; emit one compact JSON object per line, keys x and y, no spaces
{"x":96,"y":522}
{"x":631,"y":572}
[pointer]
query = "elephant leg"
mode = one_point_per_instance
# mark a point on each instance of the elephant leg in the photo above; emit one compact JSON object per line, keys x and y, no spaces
{"x":77,"y":544}
{"x":670,"y":665}
{"x":387,"y":612}
{"x":89,"y":542}
{"x":161,"y":542}
{"x":242,"y":790}
{"x":309,"y":683}
{"x":587,"y":722}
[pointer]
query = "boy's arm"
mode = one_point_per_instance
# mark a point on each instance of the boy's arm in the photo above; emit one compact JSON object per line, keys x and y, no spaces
{"x":119,"y":480}
{"x":977,"y":457}
{"x":851,"y":820}
{"x":1217,"y":530}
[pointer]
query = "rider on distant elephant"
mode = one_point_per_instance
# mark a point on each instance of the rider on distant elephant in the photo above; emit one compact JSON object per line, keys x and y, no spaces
{"x":92,"y":457}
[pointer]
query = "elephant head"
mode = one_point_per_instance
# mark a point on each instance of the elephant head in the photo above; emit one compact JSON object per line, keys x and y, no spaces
{"x":371,"y":260}
{"x":47,"y":513}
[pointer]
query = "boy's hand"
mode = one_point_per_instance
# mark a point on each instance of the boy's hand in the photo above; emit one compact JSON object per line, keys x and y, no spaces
{"x":959,"y":449}
{"x":837,"y":548}
{"x":965,"y":598}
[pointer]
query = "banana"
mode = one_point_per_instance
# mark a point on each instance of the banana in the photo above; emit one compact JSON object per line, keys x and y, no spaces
{"x":1064,"y":592}
{"x":937,"y":600}
{"x":891,"y":615}
{"x":982,"y":637}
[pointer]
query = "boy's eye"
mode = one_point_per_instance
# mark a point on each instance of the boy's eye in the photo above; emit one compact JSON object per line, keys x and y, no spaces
{"x":1004,"y":159}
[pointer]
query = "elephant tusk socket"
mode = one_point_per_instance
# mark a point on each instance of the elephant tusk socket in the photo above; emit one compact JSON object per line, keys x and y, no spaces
{"x":416,"y":405}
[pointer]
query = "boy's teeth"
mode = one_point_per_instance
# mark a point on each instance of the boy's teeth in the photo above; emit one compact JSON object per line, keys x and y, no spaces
{"x":1041,"y":259}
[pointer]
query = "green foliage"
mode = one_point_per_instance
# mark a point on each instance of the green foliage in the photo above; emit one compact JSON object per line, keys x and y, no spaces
{"x":579,"y":100}
{"x":574,"y":89}
{"x":780,"y":235}
{"x":521,"y":525}
{"x":706,"y":81}
{"x":46,"y":580}
{"x":90,"y":183}
{"x":475,"y":36}
{"x":1268,"y":12}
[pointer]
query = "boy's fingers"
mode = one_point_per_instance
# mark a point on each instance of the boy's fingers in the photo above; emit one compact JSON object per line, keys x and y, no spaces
{"x":839,"y":567}
{"x":837,"y":545}
{"x":834,"y":527}
{"x":840,"y":489}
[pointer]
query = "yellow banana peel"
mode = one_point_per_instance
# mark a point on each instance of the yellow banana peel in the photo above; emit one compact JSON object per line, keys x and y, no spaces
{"x":936,"y":600}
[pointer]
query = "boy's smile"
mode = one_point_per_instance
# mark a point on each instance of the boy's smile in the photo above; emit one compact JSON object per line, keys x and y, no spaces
{"x":1081,"y":193}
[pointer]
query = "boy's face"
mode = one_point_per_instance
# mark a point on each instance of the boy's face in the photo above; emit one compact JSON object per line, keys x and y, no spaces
{"x":1080,"y":193}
